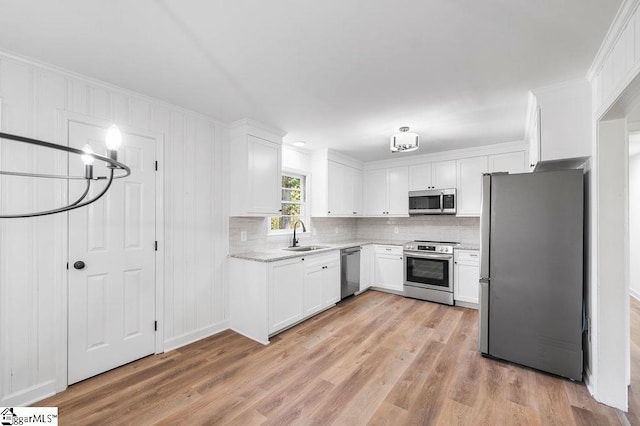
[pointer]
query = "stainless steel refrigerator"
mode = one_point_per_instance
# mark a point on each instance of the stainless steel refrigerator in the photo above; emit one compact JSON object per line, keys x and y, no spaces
{"x":531,"y":270}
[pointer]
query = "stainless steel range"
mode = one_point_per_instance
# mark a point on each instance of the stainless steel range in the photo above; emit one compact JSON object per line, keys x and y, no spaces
{"x":428,"y":270}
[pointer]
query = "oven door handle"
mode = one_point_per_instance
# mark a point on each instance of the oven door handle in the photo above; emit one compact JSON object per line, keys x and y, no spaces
{"x":429,"y":256}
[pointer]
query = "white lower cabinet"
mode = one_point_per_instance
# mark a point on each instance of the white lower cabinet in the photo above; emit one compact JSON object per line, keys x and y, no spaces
{"x":389,"y":267}
{"x":267,"y":297}
{"x":321,"y":283}
{"x":466,"y":276}
{"x":366,"y":267}
{"x":285,"y":296}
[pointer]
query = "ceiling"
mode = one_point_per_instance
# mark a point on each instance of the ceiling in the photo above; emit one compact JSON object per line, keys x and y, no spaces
{"x":341,"y":74}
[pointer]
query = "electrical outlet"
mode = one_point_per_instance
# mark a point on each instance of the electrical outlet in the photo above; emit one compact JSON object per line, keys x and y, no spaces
{"x":395,"y":229}
{"x":243,"y":235}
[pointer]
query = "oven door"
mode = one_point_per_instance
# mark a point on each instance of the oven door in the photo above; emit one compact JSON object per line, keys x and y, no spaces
{"x":433,"y":271}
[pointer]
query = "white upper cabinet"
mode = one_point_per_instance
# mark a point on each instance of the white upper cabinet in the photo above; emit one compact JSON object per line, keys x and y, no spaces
{"x":469,"y":195}
{"x":256,"y":163}
{"x":336,"y":188}
{"x":437,"y":175}
{"x":420,"y":177}
{"x":510,"y":162}
{"x":386,"y":192}
{"x":560,"y":122}
{"x":336,"y":192}
{"x":375,"y":192}
{"x":443,"y":175}
{"x":398,"y":181}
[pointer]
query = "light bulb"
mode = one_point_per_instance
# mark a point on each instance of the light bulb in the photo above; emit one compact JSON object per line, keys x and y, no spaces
{"x":87,"y":159}
{"x":114,"y":138}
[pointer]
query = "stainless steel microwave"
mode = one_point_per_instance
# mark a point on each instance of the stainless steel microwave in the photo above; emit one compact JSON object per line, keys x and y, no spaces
{"x":433,"y":201}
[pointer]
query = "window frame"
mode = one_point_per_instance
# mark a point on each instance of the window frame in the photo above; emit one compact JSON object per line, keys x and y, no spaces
{"x":304,"y":204}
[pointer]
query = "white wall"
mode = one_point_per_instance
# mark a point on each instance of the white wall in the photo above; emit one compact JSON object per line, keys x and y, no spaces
{"x":33,"y":275}
{"x":634,"y":223}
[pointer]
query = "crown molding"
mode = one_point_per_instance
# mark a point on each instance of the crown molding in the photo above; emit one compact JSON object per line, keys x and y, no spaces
{"x":620,"y":21}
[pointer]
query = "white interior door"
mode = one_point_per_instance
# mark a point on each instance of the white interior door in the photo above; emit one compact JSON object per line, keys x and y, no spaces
{"x":112,"y":299}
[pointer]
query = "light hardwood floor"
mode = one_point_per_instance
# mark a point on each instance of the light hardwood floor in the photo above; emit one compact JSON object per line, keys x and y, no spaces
{"x":375,"y":359}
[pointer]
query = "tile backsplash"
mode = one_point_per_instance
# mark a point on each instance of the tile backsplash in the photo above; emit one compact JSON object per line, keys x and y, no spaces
{"x":320,"y":230}
{"x":334,"y":230}
{"x":464,"y":230}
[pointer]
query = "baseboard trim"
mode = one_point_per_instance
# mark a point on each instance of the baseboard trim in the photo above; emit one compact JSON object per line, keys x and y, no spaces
{"x":249,"y":337}
{"x":464,"y":304}
{"x":194,"y":336}
{"x":30,"y":395}
{"x":386,"y":290}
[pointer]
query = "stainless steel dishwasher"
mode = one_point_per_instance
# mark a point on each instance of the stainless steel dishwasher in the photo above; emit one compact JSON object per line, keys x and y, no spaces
{"x":349,"y":271}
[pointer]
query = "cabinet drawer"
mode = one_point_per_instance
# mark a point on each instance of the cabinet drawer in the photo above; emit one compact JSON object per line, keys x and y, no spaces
{"x":324,"y":258}
{"x":395,"y":250}
{"x":468,"y":255}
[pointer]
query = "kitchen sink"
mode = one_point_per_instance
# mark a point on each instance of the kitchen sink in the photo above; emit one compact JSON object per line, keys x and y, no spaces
{"x":306,"y":248}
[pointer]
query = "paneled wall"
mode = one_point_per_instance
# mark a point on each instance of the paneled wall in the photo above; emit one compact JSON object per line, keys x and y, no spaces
{"x":33,"y":252}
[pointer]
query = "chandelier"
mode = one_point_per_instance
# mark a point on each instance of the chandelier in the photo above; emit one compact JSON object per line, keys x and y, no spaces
{"x":113,"y":141}
{"x":404,"y":141}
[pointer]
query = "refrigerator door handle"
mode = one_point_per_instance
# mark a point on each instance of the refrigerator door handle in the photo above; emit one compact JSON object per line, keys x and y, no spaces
{"x":483,"y":326}
{"x":485,"y":225}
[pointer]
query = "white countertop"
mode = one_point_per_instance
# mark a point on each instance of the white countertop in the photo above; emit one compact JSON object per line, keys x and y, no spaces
{"x":273,"y":255}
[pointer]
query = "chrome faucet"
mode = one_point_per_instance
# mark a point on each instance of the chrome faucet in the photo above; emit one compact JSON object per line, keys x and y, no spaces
{"x":295,"y":225}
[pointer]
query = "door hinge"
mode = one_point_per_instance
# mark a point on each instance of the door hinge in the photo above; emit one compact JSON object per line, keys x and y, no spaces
{"x":156,"y":166}
{"x":156,"y":246}
{"x":67,"y":265}
{"x":155,"y":326}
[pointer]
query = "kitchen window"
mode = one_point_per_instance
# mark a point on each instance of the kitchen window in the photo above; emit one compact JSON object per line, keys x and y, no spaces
{"x":293,"y":204}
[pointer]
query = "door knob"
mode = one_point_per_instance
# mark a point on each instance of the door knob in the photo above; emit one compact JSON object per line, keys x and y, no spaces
{"x":79,"y":264}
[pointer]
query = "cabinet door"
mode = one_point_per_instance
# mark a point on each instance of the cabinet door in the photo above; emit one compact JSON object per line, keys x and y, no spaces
{"x":511,"y":162}
{"x":443,"y":175}
{"x":375,"y":192}
{"x":285,"y":297}
{"x":357,"y":192}
{"x":466,"y":277}
{"x":398,"y":191}
{"x":389,"y":272}
{"x":264,"y":178}
{"x":420,"y":177}
{"x":331,"y":283}
{"x":314,"y":284}
{"x":470,"y":172}
{"x":335,"y":189}
{"x":534,"y":141}
{"x":348,"y":182}
{"x":366,"y":267}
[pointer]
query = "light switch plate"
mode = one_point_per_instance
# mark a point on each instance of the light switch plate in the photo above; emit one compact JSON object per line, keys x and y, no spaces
{"x":243,"y":235}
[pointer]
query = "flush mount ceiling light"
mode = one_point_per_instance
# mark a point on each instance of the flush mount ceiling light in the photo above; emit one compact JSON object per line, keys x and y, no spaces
{"x":404,"y":141}
{"x":113,"y":141}
{"x":299,"y":143}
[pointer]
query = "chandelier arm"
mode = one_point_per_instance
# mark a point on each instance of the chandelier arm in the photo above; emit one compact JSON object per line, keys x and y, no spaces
{"x":110,"y":161}
{"x":37,"y":175}
{"x":72,"y":206}
{"x":84,"y":194}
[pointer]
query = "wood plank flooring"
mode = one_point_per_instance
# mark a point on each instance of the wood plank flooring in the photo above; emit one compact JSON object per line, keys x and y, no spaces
{"x":376,"y":359}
